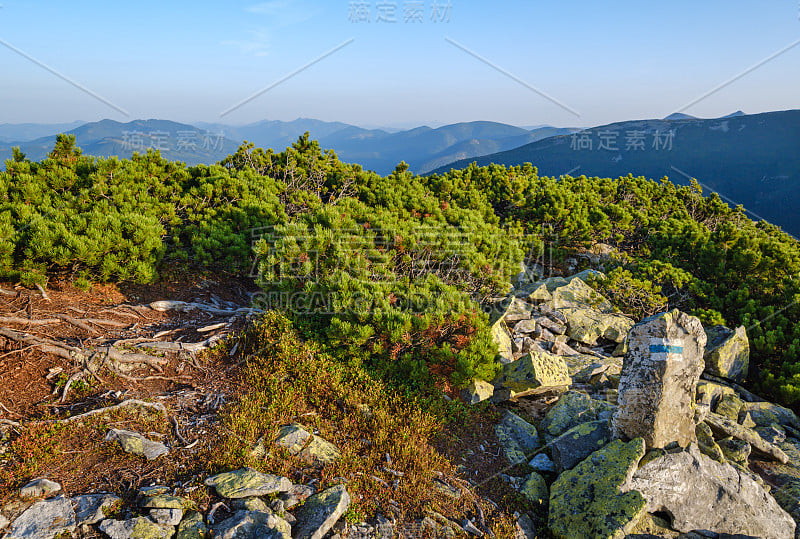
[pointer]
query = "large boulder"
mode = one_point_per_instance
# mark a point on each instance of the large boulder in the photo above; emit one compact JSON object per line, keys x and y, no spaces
{"x":702,"y":494}
{"x":253,"y":525}
{"x":727,"y":352}
{"x":535,"y":372}
{"x":587,"y":501}
{"x":576,"y":293}
{"x":659,"y":380}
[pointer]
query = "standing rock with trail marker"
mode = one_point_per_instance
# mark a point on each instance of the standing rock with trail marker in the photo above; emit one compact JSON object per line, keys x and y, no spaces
{"x":659,"y":380}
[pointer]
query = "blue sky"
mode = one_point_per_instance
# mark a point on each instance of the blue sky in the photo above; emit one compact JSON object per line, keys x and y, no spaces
{"x":599,"y":61}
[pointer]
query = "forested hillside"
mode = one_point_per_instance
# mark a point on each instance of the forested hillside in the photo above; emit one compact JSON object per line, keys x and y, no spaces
{"x":391,"y":272}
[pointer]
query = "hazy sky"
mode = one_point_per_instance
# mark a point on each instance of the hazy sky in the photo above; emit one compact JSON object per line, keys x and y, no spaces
{"x":399,"y":63}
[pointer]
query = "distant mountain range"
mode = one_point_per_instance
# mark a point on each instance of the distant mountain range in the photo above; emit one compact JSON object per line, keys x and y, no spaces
{"x":748,"y":159}
{"x":423,"y":148}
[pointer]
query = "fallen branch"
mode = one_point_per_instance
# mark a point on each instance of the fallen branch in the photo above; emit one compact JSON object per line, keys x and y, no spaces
{"x":44,"y":294}
{"x":183,"y":306}
{"x":130,"y":402}
{"x":77,"y":323}
{"x":28,"y":321}
{"x":192,"y":347}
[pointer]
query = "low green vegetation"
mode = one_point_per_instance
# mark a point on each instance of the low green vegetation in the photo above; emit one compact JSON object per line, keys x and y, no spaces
{"x":390,"y":273}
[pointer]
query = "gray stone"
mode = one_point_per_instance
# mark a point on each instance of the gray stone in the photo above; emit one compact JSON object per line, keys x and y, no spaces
{"x":39,"y":488}
{"x":167,"y":517}
{"x":91,"y":508}
{"x":136,"y":444}
{"x":727,"y":353}
{"x":192,"y":527}
{"x":526,"y":529}
{"x":164,"y":501}
{"x":542,"y":463}
{"x":517,"y":437}
{"x":659,"y":380}
{"x":586,"y":501}
{"x":320,"y":513}
{"x":572,"y":409}
{"x":253,"y":525}
{"x":702,"y":494}
{"x":766,"y":414}
{"x":710,"y":393}
{"x":247,"y":482}
{"x":735,"y":451}
{"x":774,"y":434}
{"x":44,"y":520}
{"x":555,"y":327}
{"x":525,"y":326}
{"x":725,"y":427}
{"x":577,"y":293}
{"x":578,"y":443}
{"x":729,"y":406}
{"x":313,"y":449}
{"x":478,"y":391}
{"x":587,"y":325}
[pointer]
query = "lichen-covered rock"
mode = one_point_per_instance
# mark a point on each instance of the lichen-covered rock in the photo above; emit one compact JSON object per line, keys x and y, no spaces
{"x":192,"y":527}
{"x":572,"y":409}
{"x":320,"y":513}
{"x":253,"y":525}
{"x":729,"y":406}
{"x":311,"y":448}
{"x":707,"y":444}
{"x":517,"y":437}
{"x":578,"y":443}
{"x":788,"y":497}
{"x":577,"y":293}
{"x":167,"y":517}
{"x":39,"y":488}
{"x":587,"y":325}
{"x":503,"y":341}
{"x":652,"y":527}
{"x":535,"y":489}
{"x":477,"y":391}
{"x":44,"y":520}
{"x":659,"y":380}
{"x":702,"y":494}
{"x":735,"y":451}
{"x":725,"y":427}
{"x":534,"y":293}
{"x":727,"y":352}
{"x":135,"y":528}
{"x":247,"y":482}
{"x":165,"y":501}
{"x":136,"y":444}
{"x":536,"y":372}
{"x":710,"y":393}
{"x":766,"y":414}
{"x":587,"y":501}
{"x":92,"y":508}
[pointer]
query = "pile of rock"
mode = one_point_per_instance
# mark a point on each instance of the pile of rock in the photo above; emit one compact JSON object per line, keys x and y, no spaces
{"x":256,"y":504}
{"x":644,"y":437}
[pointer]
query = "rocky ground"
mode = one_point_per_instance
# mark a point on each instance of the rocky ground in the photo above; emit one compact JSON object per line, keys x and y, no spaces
{"x":598,"y":425}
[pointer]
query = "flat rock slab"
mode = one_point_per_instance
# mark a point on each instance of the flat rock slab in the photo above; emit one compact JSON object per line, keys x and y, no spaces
{"x":247,"y":482}
{"x":253,"y":525}
{"x":702,"y":494}
{"x":536,"y":372}
{"x":136,"y":444}
{"x":44,"y":520}
{"x":135,"y":528}
{"x":320,"y":513}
